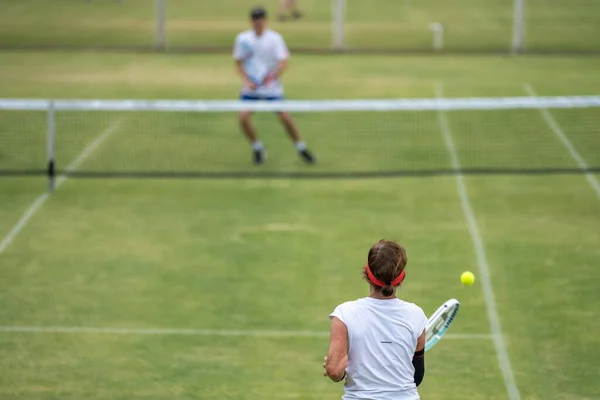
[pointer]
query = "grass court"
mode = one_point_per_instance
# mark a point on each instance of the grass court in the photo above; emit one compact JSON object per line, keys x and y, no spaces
{"x":220,"y":289}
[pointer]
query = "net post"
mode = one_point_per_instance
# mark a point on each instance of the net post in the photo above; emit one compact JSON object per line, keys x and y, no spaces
{"x":160,"y":41}
{"x":518,"y":33}
{"x":51,"y":135}
{"x":338,"y":33}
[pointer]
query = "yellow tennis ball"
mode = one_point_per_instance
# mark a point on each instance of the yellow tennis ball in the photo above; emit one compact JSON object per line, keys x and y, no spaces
{"x":467,"y":278}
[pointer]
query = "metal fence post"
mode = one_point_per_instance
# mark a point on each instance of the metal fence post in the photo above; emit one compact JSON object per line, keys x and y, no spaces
{"x":438,"y":35}
{"x":518,"y":34}
{"x":51,"y":134}
{"x":339,"y":16}
{"x":160,"y":41}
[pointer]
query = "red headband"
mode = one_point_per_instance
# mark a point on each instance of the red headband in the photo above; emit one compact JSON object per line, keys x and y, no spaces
{"x":379,"y":283}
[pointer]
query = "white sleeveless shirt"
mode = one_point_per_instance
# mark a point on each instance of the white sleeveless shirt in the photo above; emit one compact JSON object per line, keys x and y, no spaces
{"x":382,"y":338}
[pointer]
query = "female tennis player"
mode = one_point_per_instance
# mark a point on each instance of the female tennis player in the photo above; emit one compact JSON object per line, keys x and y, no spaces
{"x":377,"y":342}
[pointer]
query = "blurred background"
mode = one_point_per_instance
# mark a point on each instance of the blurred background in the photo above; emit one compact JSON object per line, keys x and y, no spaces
{"x":485,"y":26}
{"x":144,"y":256}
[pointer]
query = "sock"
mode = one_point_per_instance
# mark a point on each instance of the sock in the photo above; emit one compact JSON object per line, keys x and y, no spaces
{"x":257,"y":145}
{"x":300,"y":146}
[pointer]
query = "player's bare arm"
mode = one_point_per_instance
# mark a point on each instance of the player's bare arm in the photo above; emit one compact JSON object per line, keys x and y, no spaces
{"x":421,"y":341}
{"x":281,"y":68}
{"x":246,"y":80}
{"x":337,"y":356}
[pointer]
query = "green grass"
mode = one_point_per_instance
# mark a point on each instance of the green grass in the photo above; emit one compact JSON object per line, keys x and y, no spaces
{"x":483,"y":25}
{"x":281,"y":254}
{"x":536,"y":271}
{"x":168,"y":76}
{"x":217,"y":271}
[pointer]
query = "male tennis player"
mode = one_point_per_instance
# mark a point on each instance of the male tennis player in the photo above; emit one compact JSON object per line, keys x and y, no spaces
{"x":261,"y":57}
{"x":378,"y":342}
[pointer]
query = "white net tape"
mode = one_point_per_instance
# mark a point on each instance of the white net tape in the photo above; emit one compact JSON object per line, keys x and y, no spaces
{"x":447,"y":104}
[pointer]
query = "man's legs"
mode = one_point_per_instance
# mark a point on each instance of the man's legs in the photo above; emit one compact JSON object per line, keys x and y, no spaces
{"x":288,"y":5}
{"x":250,"y":133}
{"x":292,"y":131}
{"x":290,"y":126}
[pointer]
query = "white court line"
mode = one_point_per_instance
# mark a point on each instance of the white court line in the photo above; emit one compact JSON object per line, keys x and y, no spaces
{"x":199,"y":332}
{"x":31,"y":210}
{"x":484,"y":273}
{"x":88,"y":150}
{"x":41,"y":199}
{"x":552,"y":124}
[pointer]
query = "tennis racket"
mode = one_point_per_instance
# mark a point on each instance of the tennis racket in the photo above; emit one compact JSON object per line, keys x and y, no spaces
{"x":254,"y":76}
{"x":440,"y":321}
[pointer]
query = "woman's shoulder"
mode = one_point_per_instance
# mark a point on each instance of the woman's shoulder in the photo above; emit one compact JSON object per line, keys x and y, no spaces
{"x":411,"y":307}
{"x":349,"y":305}
{"x":344,"y":311}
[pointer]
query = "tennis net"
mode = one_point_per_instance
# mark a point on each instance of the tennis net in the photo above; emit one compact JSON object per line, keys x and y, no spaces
{"x":351,"y":138}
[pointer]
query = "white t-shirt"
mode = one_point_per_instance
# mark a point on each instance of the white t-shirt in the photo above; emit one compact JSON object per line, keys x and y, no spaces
{"x":382,"y":338}
{"x":261,"y":55}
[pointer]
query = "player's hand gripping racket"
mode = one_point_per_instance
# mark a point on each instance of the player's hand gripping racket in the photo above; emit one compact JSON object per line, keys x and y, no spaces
{"x":259,"y":82}
{"x":440,"y":321}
